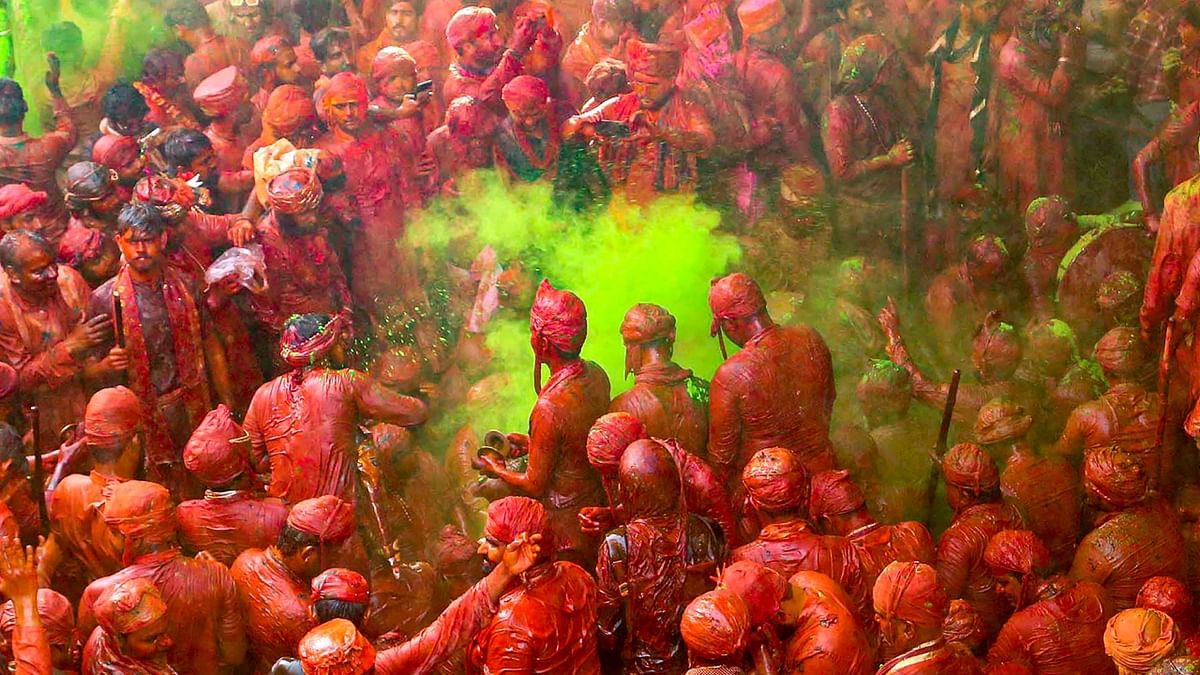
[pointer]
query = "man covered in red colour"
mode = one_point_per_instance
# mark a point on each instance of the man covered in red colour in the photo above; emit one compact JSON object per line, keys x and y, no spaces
{"x":94,"y":196}
{"x":899,"y":482}
{"x":778,"y":391}
{"x":230,"y":518}
{"x":21,"y":208}
{"x":1137,"y":537}
{"x":666,"y":398}
{"x":123,"y":155}
{"x":207,"y":628}
{"x":961,"y":297}
{"x":547,"y":624}
{"x":463,"y":143}
{"x":716,"y":629}
{"x":1051,"y":230}
{"x":289,"y":114}
{"x":273,"y":584}
{"x":211,"y":52}
{"x":44,"y":333}
{"x":837,"y":506}
{"x":829,"y":635}
{"x":973,"y":491}
{"x":576,"y":395}
{"x":302,"y":423}
{"x":394,"y":78}
{"x":224,"y":97}
{"x":35,"y":161}
{"x":763,"y":590}
{"x":528,"y":141}
{"x":56,"y":623}
{"x":910,"y":606}
{"x":400,"y":30}
{"x":644,"y":563}
{"x":273,"y":63}
{"x":703,"y":491}
{"x":133,"y":631}
{"x":483,"y":66}
{"x":1172,"y":597}
{"x":599,"y":39}
{"x":1057,"y":627}
{"x":777,"y":485}
{"x":166,"y":93}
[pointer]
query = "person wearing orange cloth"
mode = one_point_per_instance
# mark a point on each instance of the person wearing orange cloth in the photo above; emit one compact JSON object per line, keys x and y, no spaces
{"x":35,"y":161}
{"x":394,"y":76}
{"x":1057,"y":626}
{"x":207,"y":628}
{"x":703,"y":491}
{"x":224,"y":97}
{"x":601,"y":38}
{"x":37,"y":626}
{"x":777,"y":485}
{"x":1139,"y":639}
{"x":21,"y":208}
{"x":763,"y":590}
{"x":669,"y":400}
{"x":547,"y":623}
{"x":1138,"y":537}
{"x":273,"y":585}
{"x":210,"y":52}
{"x":574,"y":397}
{"x":289,"y":114}
{"x":973,"y":492}
{"x":1172,"y":597}
{"x":837,"y":507}
{"x":829,"y":636}
{"x":302,"y":423}
{"x":483,"y":66}
{"x":400,"y":30}
{"x":133,"y":634}
{"x":528,"y":140}
{"x":716,"y":628}
{"x":231,"y":517}
{"x":910,"y":606}
{"x":463,"y":143}
{"x":336,"y":648}
{"x":274,"y":63}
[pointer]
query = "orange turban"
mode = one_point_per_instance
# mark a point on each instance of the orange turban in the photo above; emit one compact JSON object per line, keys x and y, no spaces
{"x":17,"y":198}
{"x":834,"y":493}
{"x":467,"y":24}
{"x":391,"y":61}
{"x":1121,"y":352}
{"x":112,"y":416}
{"x":910,"y":591}
{"x":288,"y":108}
{"x":115,"y":151}
{"x":219,"y":449}
{"x":511,"y":516}
{"x":129,"y":606}
{"x":559,"y":317}
{"x":222,"y":92}
{"x":967,"y":467}
{"x":735,"y":296}
{"x":759,"y":586}
{"x":327,"y":518}
{"x":1115,"y":476}
{"x":609,"y":436}
{"x":775,"y":480}
{"x":58,"y":617}
{"x":1016,"y":551}
{"x":141,"y":511}
{"x":758,"y":16}
{"x":337,"y":583}
{"x":336,"y":648}
{"x":1138,"y":638}
{"x":964,"y":624}
{"x":646,"y":323}
{"x":716,"y":625}
{"x":524,"y":92}
{"x":295,"y":191}
{"x":1001,"y":420}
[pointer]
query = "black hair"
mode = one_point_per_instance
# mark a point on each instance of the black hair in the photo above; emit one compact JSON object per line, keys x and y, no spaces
{"x":14,"y":241}
{"x":330,"y":609}
{"x":324,"y":40}
{"x":306,"y":325}
{"x":12,"y":102}
{"x":158,"y":64}
{"x":140,"y":218}
{"x":62,"y":37}
{"x":186,"y":13}
{"x":123,"y":103}
{"x":182,"y":146}
{"x":12,"y":447}
{"x":291,"y":540}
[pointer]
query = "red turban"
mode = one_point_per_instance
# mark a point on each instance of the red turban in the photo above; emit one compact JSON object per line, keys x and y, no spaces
{"x":646,"y":323}
{"x":559,"y":317}
{"x":1001,"y":420}
{"x":266,"y":49}
{"x":345,"y":88}
{"x":219,"y":449}
{"x":336,"y":648}
{"x":716,"y":625}
{"x":298,"y":353}
{"x":1121,"y":352}
{"x":338,"y":583}
{"x":222,"y":92}
{"x":80,"y":244}
{"x":758,"y":16}
{"x":58,"y":618}
{"x":608,"y":438}
{"x":1171,"y":597}
{"x":295,"y":191}
{"x":735,"y":296}
{"x":115,"y":152}
{"x":967,"y":467}
{"x":467,"y":24}
{"x":392,"y":61}
{"x":1016,"y":551}
{"x":453,"y":549}
{"x":17,"y":198}
{"x":964,"y":624}
{"x":141,"y":511}
{"x":129,"y":606}
{"x":288,"y":108}
{"x":650,"y":61}
{"x":524,"y":92}
{"x":910,"y":591}
{"x":112,"y":416}
{"x":834,"y":493}
{"x":467,"y":117}
{"x":775,"y":480}
{"x":1138,"y":638}
{"x":512,"y":516}
{"x":1115,"y":476}
{"x":759,"y":586}
{"x":327,"y":518}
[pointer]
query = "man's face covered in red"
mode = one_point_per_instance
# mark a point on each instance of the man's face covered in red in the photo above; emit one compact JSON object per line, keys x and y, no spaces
{"x":402,"y":21}
{"x":527,"y":99}
{"x":346,"y":102}
{"x":471,"y":126}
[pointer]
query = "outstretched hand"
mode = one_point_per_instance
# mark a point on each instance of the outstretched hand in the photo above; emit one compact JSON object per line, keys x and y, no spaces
{"x":18,"y":569}
{"x":522,"y":553}
{"x":53,"y":74}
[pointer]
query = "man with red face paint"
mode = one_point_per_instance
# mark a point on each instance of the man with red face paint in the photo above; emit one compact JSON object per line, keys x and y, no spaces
{"x":463,"y":143}
{"x":528,"y":140}
{"x":395,"y":74}
{"x":133,"y":632}
{"x":667,"y":399}
{"x":21,"y":208}
{"x":961,"y":297}
{"x":400,"y":31}
{"x":273,"y":63}
{"x":910,"y":606}
{"x":576,"y":395}
{"x":224,"y":97}
{"x":483,"y":66}
{"x":1058,"y":625}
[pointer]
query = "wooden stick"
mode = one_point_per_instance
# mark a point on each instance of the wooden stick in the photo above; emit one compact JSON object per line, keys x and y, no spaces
{"x":1164,"y":390}
{"x":947,"y":414}
{"x":37,"y":477}
{"x":118,"y":320}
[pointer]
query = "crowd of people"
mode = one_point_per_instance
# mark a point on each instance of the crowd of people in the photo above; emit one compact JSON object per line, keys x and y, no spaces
{"x":232,"y":436}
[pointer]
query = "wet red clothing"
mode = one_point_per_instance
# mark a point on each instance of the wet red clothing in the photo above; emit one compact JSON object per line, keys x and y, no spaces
{"x":878,"y":544}
{"x":671,"y":403}
{"x":704,"y":491}
{"x":1047,"y":494}
{"x":1126,"y":416}
{"x":960,"y":562}
{"x":545,"y":626}
{"x":304,"y":275}
{"x":226,"y":523}
{"x":206,"y":619}
{"x":102,"y":656}
{"x":30,"y":651}
{"x":78,"y":526}
{"x":35,"y":161}
{"x":933,"y":657}
{"x":211,"y":55}
{"x":829,"y":639}
{"x":1177,"y":242}
{"x":276,"y":606}
{"x":450,"y":632}
{"x":778,"y":391}
{"x":779,"y":132}
{"x":31,"y":341}
{"x":1061,"y":633}
{"x":8,"y":523}
{"x":485,"y":87}
{"x":1130,"y":547}
{"x":302,"y":432}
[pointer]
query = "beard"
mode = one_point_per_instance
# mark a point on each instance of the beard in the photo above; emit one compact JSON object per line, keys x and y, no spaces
{"x":487,"y":566}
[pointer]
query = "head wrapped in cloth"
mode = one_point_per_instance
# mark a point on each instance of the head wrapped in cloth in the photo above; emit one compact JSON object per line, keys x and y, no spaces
{"x":343,"y":88}
{"x":759,"y":586}
{"x":884,"y":386}
{"x":129,"y":606}
{"x":142,"y":512}
{"x":509,"y":517}
{"x":336,"y":648}
{"x":1016,"y":552}
{"x":1171,"y":597}
{"x":648,"y":480}
{"x":295,"y":191}
{"x":57,"y":615}
{"x":17,"y":198}
{"x":996,"y":348}
{"x":557,"y":319}
{"x":524,"y":92}
{"x":1122,"y":354}
{"x":652,"y":62}
{"x":775,"y":480}
{"x":1049,"y":220}
{"x":735,"y":296}
{"x":1137,"y":638}
{"x":834,"y":493}
{"x":221,"y":93}
{"x":716,"y":625}
{"x":911,"y":592}
{"x":88,"y":182}
{"x":645,"y":323}
{"x":1116,"y":477}
{"x":964,"y":624}
{"x":467,"y":24}
{"x":760,"y":16}
{"x":453,"y":550}
{"x":862,"y":61}
{"x":219,"y":449}
{"x":390,"y":62}
{"x":1117,"y":290}
{"x":289,"y":109}
{"x":608,"y":438}
{"x":79,"y":245}
{"x":266,"y":50}
{"x":338,"y":583}
{"x":112,"y":417}
{"x":115,"y":151}
{"x":968,"y":467}
{"x":1001,"y":420}
{"x":468,"y":117}
{"x":173,"y":197}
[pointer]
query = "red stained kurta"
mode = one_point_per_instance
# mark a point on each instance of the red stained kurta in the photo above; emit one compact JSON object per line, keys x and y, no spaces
{"x":304,"y":275}
{"x":34,"y":161}
{"x":276,"y":606}
{"x":878,"y":545}
{"x":669,"y":402}
{"x":960,"y":563}
{"x":78,"y":525}
{"x":1047,"y":494}
{"x":1059,"y":634}
{"x":226,"y":523}
{"x":451,"y":631}
{"x":779,"y":132}
{"x":933,"y":657}
{"x":1129,"y":548}
{"x":829,"y":639}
